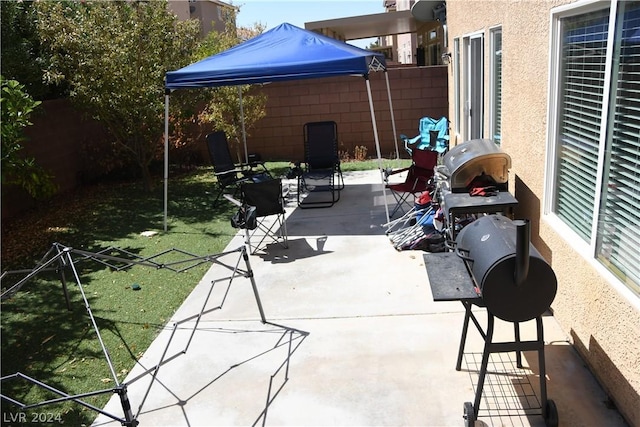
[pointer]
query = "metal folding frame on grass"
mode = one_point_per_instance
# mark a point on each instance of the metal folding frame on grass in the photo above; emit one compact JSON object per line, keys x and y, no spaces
{"x":60,"y":258}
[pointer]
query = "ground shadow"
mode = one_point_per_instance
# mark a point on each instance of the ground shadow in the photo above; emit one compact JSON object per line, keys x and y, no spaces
{"x":78,"y":262}
{"x":297,"y":249}
{"x":360,"y":211}
{"x":512,"y":394}
{"x":529,"y":208}
{"x":274,"y":345}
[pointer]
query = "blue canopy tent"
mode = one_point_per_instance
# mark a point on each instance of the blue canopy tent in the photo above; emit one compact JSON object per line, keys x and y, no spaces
{"x":285,"y":52}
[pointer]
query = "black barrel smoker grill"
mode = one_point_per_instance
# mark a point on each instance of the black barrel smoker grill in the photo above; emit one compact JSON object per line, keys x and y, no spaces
{"x":492,"y":265}
{"x":495,"y":266}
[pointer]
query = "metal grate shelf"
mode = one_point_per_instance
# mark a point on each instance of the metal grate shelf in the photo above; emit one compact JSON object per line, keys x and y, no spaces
{"x":508,"y":396}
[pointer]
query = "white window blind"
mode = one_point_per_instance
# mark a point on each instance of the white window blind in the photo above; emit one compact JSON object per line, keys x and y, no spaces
{"x":597,"y":184}
{"x":618,"y":244}
{"x":496,"y":125}
{"x":583,"y":61}
{"x":457,"y":90}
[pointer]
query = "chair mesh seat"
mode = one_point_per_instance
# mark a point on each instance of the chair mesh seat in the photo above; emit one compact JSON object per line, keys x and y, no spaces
{"x":321,"y":172}
{"x":230,"y":175}
{"x":267,"y":197}
{"x":418,"y":179}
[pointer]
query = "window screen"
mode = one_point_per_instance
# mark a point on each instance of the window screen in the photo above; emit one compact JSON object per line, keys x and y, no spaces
{"x":597,"y":185}
{"x":619,"y":220}
{"x":496,"y":75}
{"x":583,"y":61}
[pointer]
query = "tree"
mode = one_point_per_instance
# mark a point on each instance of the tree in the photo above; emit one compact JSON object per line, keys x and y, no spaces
{"x":20,"y":49}
{"x":114,"y":55}
{"x":16,"y":106}
{"x":223,"y":105}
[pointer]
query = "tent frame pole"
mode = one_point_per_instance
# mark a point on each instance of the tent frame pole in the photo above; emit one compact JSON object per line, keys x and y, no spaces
{"x":393,"y":119}
{"x":244,"y":132}
{"x":166,"y":154}
{"x":377,"y":140}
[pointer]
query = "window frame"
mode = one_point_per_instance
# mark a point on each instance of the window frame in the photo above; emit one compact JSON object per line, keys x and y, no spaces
{"x":494,"y":115}
{"x":473,"y":85}
{"x":456,"y":85}
{"x":587,"y":250}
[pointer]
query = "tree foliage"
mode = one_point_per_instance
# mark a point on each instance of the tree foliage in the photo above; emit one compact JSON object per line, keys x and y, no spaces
{"x":20,"y":50}
{"x":16,"y":106}
{"x":223,"y":108}
{"x":114,"y":55}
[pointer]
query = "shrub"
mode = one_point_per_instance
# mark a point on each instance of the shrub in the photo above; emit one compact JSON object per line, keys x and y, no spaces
{"x":17,"y":105}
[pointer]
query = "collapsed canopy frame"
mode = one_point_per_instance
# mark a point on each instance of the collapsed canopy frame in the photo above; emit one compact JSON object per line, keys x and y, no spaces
{"x":62,"y":259}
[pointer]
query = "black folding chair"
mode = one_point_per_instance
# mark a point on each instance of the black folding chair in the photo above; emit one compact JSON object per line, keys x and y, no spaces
{"x":268,"y":200}
{"x":228,"y":173}
{"x":321,"y":171}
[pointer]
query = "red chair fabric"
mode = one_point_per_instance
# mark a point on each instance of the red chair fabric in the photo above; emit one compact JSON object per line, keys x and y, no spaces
{"x":418,"y":180}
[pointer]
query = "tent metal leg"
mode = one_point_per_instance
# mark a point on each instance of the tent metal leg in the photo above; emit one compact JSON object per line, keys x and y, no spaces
{"x":65,"y":290}
{"x":245,"y":256}
{"x":126,"y":406}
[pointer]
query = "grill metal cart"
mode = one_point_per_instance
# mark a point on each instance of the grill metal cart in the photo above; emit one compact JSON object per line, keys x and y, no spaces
{"x":497,"y":268}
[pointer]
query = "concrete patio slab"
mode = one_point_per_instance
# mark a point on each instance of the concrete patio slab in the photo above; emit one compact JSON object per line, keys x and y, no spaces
{"x":352,"y":338}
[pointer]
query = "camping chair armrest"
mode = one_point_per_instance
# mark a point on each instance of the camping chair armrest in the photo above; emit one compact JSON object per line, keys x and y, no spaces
{"x":410,"y":141}
{"x":243,"y":166}
{"x":389,"y":172}
{"x":254,"y":160}
{"x":256,"y":163}
{"x":249,"y":170}
{"x":424,"y":179}
{"x":257,"y":167}
{"x":227,"y":173}
{"x":233,"y":200}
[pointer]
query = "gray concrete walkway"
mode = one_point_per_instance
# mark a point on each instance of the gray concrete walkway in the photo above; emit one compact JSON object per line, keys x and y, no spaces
{"x":353,"y":338}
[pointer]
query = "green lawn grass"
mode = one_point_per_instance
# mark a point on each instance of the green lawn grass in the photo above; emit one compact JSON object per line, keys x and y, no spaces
{"x":44,"y":340}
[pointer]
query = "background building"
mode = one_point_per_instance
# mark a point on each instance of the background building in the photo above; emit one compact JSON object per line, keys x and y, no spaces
{"x":402,"y":37}
{"x":208,"y":12}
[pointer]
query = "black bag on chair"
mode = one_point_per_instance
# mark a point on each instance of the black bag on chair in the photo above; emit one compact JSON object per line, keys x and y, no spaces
{"x":245,"y":218}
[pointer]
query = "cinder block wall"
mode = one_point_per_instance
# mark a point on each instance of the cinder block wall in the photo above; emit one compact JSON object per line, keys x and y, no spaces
{"x":415,"y":93}
{"x":59,"y":140}
{"x":60,"y":135}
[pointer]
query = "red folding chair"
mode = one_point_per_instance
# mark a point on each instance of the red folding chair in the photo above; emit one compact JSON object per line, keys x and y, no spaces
{"x":418,"y":179}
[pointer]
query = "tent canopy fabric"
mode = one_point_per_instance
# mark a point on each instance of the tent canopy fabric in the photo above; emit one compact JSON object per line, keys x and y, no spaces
{"x":285,"y":52}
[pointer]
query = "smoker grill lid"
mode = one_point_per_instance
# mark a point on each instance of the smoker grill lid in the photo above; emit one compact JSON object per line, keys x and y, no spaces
{"x":489,"y":246}
{"x":473,"y":158}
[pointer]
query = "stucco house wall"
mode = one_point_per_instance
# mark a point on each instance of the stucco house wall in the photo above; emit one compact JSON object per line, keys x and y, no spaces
{"x":601,"y":319}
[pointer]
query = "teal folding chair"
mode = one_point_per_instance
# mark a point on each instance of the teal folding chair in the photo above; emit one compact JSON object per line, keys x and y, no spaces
{"x":434,"y":135}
